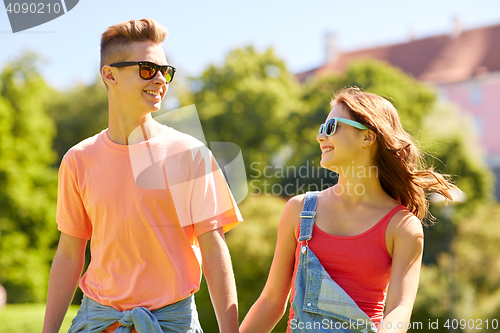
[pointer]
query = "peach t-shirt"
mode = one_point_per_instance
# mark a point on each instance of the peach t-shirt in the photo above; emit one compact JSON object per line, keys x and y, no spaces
{"x":143,"y":207}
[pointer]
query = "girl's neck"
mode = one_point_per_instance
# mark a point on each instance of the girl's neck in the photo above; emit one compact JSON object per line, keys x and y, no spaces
{"x":359,"y":186}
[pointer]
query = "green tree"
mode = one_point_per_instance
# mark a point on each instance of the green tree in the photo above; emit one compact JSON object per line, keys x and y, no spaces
{"x":450,"y":137}
{"x":477,"y":265}
{"x":78,"y":113}
{"x":27,"y":180}
{"x":247,"y":101}
{"x":463,"y":284}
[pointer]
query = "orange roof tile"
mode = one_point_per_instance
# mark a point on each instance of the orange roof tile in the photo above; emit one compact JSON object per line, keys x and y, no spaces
{"x":437,"y":59}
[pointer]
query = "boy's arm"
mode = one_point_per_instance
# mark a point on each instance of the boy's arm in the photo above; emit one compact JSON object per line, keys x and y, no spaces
{"x":64,"y":276}
{"x":219,"y":274}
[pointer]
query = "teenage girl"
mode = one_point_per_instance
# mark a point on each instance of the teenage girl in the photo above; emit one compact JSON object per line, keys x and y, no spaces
{"x":350,"y":251}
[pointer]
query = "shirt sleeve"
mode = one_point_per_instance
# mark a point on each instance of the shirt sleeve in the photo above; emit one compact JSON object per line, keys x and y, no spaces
{"x":71,"y":218}
{"x":212,"y":203}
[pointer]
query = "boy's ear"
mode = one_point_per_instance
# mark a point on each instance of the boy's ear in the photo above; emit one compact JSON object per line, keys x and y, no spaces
{"x":107,"y":75}
{"x":369,"y":138}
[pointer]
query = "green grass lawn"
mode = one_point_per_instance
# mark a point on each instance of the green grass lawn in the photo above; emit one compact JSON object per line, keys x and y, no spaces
{"x":28,"y":318}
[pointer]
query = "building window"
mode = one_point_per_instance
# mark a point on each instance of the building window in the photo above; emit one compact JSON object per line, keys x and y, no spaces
{"x":479,"y":125}
{"x":476,"y":95}
{"x":443,"y":94}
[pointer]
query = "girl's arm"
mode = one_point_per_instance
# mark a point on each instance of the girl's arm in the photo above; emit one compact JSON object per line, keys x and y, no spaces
{"x":271,"y":305}
{"x":407,"y":248}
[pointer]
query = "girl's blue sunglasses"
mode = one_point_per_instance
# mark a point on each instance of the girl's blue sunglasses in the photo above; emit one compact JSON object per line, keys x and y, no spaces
{"x":330,"y":126}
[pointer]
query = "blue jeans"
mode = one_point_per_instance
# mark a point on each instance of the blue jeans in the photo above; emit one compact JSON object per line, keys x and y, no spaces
{"x":319,"y":303}
{"x":180,"y":317}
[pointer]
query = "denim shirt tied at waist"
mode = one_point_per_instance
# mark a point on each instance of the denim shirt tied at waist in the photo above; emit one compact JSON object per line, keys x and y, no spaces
{"x":181,"y":317}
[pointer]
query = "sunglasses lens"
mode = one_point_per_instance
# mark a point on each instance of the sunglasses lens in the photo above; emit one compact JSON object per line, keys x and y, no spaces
{"x":321,"y":129}
{"x":167,"y":73}
{"x":330,"y":127}
{"x":147,"y":71}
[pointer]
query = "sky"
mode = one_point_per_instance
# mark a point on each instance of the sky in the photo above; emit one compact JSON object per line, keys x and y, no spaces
{"x":203,"y":32}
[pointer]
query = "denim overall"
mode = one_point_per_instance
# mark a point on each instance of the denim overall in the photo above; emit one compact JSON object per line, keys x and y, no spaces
{"x":179,"y":317}
{"x":320,"y":304}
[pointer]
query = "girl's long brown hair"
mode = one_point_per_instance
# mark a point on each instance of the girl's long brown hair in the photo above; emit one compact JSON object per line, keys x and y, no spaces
{"x":400,"y":166}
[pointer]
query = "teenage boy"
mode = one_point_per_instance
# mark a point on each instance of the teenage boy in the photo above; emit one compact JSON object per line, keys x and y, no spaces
{"x":152,"y":202}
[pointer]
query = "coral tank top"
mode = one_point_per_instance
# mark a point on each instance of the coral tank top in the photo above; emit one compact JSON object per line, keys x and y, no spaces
{"x":359,"y":264}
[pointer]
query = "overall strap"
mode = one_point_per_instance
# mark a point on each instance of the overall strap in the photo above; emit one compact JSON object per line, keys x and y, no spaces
{"x":308,"y":216}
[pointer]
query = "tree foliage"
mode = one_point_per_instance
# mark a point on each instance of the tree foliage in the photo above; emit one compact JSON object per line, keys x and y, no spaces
{"x":27,"y":180}
{"x":450,"y":136}
{"x":463,"y":283}
{"x":78,"y":113}
{"x":248,"y":101}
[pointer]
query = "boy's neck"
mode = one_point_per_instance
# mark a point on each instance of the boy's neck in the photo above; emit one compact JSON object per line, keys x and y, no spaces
{"x":126,"y":129}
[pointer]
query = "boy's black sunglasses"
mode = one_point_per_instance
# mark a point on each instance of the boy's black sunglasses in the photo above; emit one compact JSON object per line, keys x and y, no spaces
{"x":148,"y":70}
